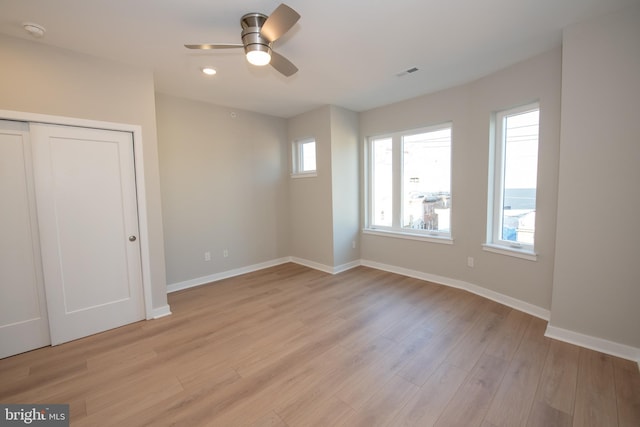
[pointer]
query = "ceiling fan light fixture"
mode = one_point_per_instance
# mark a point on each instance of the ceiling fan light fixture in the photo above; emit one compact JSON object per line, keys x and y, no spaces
{"x":258,"y":57}
{"x":259,"y":31}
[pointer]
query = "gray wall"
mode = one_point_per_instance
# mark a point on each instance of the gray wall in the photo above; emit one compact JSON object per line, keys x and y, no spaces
{"x":224,"y":187}
{"x":469,"y":107}
{"x":597,"y":270}
{"x":40,"y":79}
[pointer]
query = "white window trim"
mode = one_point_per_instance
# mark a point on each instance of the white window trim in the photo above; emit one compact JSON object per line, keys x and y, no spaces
{"x":296,"y":159}
{"x":496,"y":155}
{"x":387,"y":232}
{"x":512,"y":251}
{"x":396,"y":229}
{"x":296,"y":175}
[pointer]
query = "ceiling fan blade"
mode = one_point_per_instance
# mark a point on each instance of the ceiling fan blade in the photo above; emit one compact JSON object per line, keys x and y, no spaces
{"x":279,"y":22}
{"x":214,"y":46}
{"x":283,"y":65}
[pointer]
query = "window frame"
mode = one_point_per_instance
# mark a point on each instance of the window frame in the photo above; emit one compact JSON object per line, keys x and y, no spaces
{"x":297,"y":158}
{"x":396,"y":229}
{"x":495,"y":202}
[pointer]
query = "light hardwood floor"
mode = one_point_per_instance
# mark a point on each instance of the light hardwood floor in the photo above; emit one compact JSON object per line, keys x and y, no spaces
{"x":291,"y":346}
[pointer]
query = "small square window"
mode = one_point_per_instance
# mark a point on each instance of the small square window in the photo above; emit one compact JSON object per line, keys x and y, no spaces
{"x":304,"y":157}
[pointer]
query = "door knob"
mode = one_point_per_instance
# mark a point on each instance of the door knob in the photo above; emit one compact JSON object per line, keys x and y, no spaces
{"x":132,"y":238}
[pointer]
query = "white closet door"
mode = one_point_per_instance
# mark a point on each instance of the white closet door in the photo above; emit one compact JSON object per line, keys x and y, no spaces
{"x":23,"y":312}
{"x":87,"y":214}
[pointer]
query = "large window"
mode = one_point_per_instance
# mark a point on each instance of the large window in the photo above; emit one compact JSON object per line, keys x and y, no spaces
{"x":409,"y":177}
{"x":513,"y":184}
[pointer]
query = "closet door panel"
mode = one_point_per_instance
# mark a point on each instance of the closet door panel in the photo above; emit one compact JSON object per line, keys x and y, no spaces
{"x":23,"y":314}
{"x":88,"y":222}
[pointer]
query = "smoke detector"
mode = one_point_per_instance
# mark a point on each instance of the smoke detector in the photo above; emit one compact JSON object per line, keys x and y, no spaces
{"x":36,"y":30}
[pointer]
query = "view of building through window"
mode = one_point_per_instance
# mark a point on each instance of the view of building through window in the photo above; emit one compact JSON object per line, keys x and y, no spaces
{"x":517,"y":209}
{"x":417,"y":166}
{"x":426,"y":180}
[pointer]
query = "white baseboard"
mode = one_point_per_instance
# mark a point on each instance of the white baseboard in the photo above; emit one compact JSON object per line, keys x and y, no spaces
{"x":160,"y":312}
{"x":598,"y":344}
{"x":474,"y":289}
{"x":198,"y":281}
{"x":312,"y":264}
{"x":325,"y":268}
{"x":347,"y":266}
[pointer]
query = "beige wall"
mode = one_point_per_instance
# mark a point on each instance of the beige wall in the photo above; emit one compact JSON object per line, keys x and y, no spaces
{"x":225,"y":181}
{"x":224,"y":186}
{"x":35,"y":78}
{"x":469,"y":107}
{"x":597,"y":270}
{"x":325,"y":219}
{"x":345,"y":186}
{"x":310,"y":202}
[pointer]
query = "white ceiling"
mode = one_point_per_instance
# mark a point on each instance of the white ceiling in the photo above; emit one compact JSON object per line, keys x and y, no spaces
{"x":349,"y":52}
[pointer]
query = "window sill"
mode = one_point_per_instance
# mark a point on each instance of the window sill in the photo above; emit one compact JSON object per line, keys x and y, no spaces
{"x":304,"y":175}
{"x":514,"y":252}
{"x":445,"y":240}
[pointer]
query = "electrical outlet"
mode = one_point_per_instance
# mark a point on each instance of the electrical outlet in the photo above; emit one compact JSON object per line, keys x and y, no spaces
{"x":469,"y":261}
{"x":225,"y":253}
{"x":353,"y":244}
{"x":207,"y":256}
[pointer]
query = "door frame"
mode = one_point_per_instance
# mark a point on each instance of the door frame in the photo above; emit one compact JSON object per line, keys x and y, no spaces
{"x":141,"y":199}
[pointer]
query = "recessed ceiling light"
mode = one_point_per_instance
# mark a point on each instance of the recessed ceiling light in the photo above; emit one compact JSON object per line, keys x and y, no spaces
{"x":36,"y":30}
{"x":209,"y":71}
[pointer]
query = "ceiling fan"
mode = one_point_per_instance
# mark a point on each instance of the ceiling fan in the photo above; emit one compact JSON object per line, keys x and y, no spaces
{"x":259,"y":31}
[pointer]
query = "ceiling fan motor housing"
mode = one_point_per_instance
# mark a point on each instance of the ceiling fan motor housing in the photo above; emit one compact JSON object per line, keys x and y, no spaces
{"x":251,"y":25}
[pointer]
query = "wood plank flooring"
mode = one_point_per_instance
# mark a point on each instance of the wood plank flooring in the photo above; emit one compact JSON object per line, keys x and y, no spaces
{"x":289,"y":346}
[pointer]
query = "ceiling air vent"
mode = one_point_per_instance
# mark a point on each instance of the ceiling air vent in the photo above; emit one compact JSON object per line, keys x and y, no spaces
{"x":408,"y":71}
